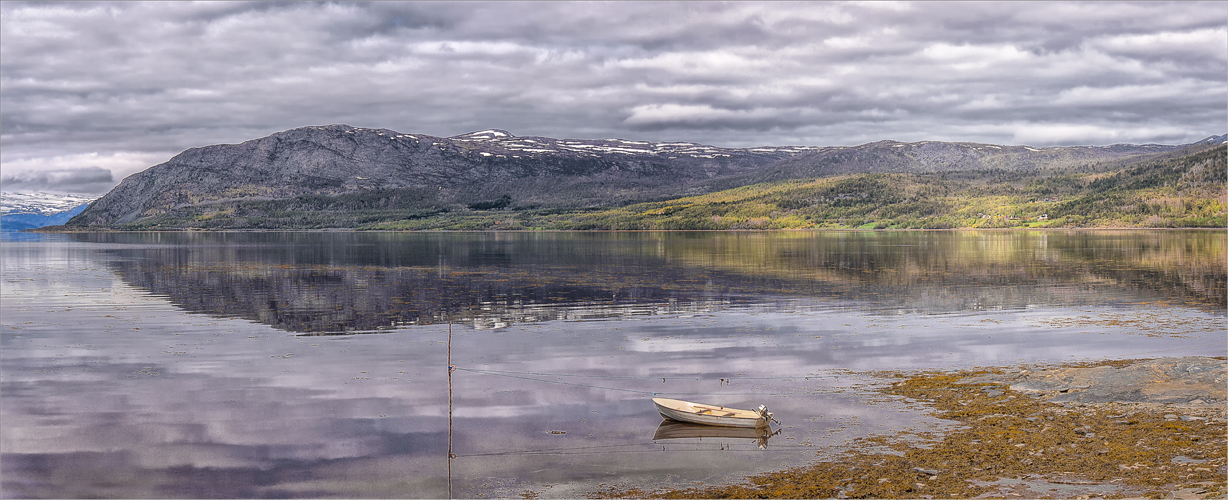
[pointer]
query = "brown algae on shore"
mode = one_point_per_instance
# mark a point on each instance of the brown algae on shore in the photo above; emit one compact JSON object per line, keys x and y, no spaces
{"x":1016,"y":444}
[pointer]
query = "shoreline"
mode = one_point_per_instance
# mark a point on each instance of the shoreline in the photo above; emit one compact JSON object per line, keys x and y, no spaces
{"x":798,"y":230}
{"x":1151,"y":428}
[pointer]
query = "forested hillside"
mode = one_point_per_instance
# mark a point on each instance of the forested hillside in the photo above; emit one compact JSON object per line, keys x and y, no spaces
{"x":1189,"y":190}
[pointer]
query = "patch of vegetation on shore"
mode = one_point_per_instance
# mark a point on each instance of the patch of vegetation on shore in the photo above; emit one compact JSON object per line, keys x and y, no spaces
{"x":311,"y":211}
{"x":1009,"y":442}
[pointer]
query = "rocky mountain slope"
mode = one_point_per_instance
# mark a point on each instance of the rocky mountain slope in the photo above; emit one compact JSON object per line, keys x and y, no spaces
{"x":345,"y":170}
{"x":470,"y":168}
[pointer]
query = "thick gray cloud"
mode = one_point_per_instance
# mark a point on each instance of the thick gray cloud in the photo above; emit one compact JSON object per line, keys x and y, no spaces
{"x":127,"y":85}
{"x":65,"y":180}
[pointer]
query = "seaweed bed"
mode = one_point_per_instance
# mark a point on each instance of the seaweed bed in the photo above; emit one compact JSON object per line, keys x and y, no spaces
{"x":1112,"y":429}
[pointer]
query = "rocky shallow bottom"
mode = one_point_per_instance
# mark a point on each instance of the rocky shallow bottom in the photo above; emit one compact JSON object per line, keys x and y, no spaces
{"x":1114,"y":429}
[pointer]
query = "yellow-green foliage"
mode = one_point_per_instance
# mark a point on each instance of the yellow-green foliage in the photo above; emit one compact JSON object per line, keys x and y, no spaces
{"x":1182,"y":192}
{"x":882,"y":201}
{"x":245,"y":192}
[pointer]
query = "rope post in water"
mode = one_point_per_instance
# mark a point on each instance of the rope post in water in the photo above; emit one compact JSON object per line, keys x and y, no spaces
{"x":450,"y":409}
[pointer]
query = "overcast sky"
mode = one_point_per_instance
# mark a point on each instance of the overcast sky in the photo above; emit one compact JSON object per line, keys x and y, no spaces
{"x":92,"y":92}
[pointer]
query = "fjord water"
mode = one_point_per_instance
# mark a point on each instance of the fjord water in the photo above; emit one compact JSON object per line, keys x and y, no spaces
{"x":315,"y":364}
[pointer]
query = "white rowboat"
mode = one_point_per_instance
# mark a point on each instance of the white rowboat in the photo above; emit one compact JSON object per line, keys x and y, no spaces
{"x":698,"y":413}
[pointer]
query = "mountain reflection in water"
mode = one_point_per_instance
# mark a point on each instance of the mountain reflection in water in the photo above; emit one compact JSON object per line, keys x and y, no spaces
{"x":335,"y":283}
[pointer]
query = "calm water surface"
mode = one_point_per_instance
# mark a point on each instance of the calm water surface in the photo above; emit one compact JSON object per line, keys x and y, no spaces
{"x":315,"y":364}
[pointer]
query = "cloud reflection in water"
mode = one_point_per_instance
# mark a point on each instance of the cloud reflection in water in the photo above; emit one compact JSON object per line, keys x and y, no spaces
{"x":136,"y":367}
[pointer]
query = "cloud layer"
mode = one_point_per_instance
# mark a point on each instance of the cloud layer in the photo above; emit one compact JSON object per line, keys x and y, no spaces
{"x":146,"y":80}
{"x":65,"y":180}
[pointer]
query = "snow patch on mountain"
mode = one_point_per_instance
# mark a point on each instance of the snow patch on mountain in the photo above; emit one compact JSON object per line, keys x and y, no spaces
{"x":1215,"y":139}
{"x":506,"y":141}
{"x":42,"y":203}
{"x":21,"y":211}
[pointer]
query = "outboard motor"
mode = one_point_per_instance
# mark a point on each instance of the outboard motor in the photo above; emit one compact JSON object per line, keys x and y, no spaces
{"x":766,"y":415}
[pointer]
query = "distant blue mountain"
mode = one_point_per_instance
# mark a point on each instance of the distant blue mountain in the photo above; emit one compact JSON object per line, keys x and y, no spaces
{"x":17,"y":222}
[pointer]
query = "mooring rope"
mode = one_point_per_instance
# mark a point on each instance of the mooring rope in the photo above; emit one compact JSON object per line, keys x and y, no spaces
{"x":656,"y":448}
{"x":620,"y":389}
{"x":645,"y":377}
{"x":533,"y":376}
{"x":508,"y":375}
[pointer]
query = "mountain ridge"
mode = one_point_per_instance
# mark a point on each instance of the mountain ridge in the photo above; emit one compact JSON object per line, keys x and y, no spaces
{"x":339,"y":168}
{"x":338,"y":159}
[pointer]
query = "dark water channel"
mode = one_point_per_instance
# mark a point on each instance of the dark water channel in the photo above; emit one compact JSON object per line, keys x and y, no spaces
{"x":315,"y":364}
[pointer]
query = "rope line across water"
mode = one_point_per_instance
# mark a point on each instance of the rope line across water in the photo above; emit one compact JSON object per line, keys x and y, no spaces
{"x":656,"y":448}
{"x":518,"y":375}
{"x":508,"y":375}
{"x":644,"y":377}
{"x":531,"y":375}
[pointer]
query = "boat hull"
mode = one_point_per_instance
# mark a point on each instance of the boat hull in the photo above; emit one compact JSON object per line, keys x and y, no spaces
{"x":697,"y":413}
